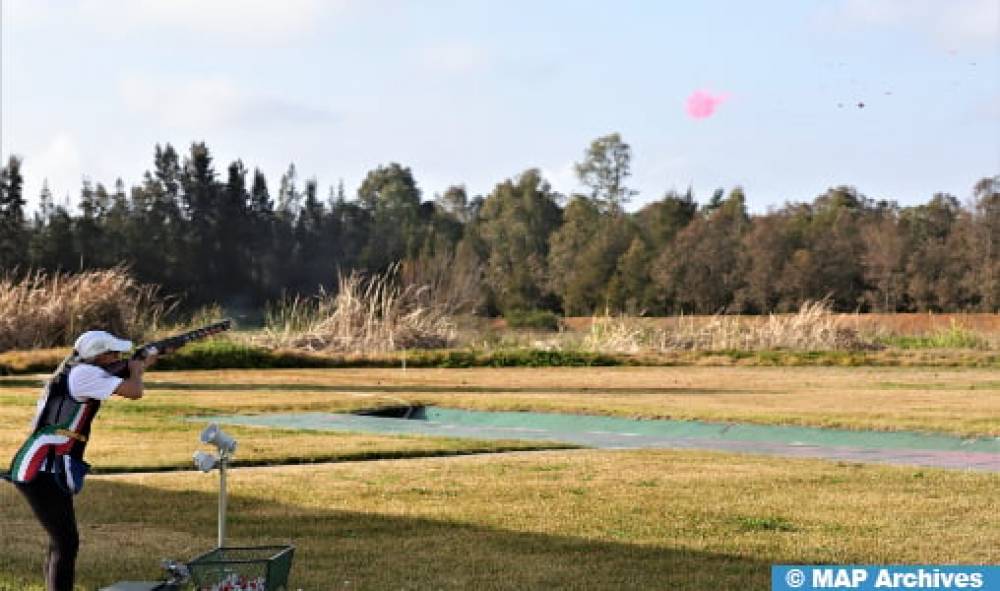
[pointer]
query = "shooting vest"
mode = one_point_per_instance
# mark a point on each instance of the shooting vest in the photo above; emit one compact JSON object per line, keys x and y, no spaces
{"x":61,"y":428}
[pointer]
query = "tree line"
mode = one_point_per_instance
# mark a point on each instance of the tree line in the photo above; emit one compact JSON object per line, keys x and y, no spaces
{"x":226,"y":236}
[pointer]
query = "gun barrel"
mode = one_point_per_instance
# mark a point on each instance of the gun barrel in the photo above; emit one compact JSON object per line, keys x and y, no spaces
{"x":169,"y":344}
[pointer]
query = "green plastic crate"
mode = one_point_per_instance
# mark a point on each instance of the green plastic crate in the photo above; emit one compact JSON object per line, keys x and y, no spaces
{"x":256,"y":568}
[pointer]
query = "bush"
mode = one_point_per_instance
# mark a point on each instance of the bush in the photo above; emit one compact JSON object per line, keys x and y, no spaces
{"x":537,"y":319}
{"x":226,"y":354}
{"x":545,"y":358}
{"x":955,"y":337}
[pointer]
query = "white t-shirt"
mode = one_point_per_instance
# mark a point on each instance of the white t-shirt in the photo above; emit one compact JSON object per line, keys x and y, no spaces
{"x":89,"y":381}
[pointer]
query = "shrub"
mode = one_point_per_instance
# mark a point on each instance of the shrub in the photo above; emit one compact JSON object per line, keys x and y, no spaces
{"x":217,"y":354}
{"x":543,"y":358}
{"x":954,"y":337}
{"x":537,"y":319}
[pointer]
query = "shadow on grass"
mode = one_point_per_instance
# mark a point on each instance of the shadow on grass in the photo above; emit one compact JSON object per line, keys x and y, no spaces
{"x":127,"y":528}
{"x":340,"y":458}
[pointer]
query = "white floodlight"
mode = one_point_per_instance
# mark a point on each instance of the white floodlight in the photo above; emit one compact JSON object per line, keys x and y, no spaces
{"x":205,"y":461}
{"x":215,"y":436}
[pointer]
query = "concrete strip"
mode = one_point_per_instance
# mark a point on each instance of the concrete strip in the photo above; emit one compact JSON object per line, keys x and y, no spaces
{"x":897,"y":448}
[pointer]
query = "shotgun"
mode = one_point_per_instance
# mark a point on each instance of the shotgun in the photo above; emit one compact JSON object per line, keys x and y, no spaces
{"x":168,"y":345}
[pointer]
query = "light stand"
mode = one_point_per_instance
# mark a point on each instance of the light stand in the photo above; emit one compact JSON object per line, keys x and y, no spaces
{"x":205,"y":462}
{"x":223,"y":464}
{"x":272,"y":563}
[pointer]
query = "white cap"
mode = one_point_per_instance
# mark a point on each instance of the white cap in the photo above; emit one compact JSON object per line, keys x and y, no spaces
{"x":94,"y":342}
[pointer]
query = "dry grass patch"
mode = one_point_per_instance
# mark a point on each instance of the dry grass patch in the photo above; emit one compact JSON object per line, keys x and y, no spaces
{"x":957,"y":401}
{"x":960,"y":402}
{"x":596,"y":520}
{"x":154,"y":433}
{"x":372,"y":314}
{"x":904,"y":323}
{"x":603,"y":520}
{"x":50,"y":310}
{"x":815,"y":327}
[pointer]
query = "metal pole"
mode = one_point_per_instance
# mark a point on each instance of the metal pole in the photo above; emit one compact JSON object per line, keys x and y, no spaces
{"x":223,"y":460}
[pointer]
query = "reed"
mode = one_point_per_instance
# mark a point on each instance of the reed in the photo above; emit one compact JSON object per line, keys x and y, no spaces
{"x":43,"y":310}
{"x":813,"y":328}
{"x":367,"y":314}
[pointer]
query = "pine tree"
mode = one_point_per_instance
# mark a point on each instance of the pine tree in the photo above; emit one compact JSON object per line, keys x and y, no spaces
{"x":399,"y":223}
{"x":201,"y":263}
{"x":353,"y":225}
{"x":314,"y":264}
{"x":235,"y":232}
{"x":260,"y":247}
{"x":165,"y":223}
{"x":41,"y":247}
{"x":89,"y":235}
{"x":286,"y":214}
{"x":13,"y":232}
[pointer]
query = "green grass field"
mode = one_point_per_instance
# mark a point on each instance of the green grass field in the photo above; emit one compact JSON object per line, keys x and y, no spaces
{"x":581,"y":519}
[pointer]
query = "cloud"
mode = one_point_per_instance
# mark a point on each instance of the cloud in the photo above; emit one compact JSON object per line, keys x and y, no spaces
{"x":214,"y":103}
{"x":456,"y":57}
{"x":562,"y":178}
{"x":950,"y":23}
{"x":269,"y":111}
{"x":701,"y":103}
{"x":989,"y":107}
{"x":28,"y":13}
{"x":196,"y":103}
{"x":241,"y":21}
{"x":60,"y":162}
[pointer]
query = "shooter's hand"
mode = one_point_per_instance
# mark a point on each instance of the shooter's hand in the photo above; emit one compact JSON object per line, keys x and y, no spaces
{"x":136,"y":366}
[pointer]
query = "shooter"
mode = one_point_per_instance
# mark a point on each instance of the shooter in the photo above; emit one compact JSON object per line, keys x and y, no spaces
{"x":49,"y":468}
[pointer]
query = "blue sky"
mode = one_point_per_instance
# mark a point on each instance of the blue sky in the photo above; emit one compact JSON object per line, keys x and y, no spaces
{"x":474,"y":92}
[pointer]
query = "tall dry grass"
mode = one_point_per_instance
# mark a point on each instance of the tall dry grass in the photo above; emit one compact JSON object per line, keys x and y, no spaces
{"x":367,"y":314}
{"x":44,"y":310}
{"x":452,"y":278}
{"x":815,"y":327}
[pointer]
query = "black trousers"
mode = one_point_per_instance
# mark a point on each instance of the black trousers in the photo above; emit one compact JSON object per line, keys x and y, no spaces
{"x":54,"y":509}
